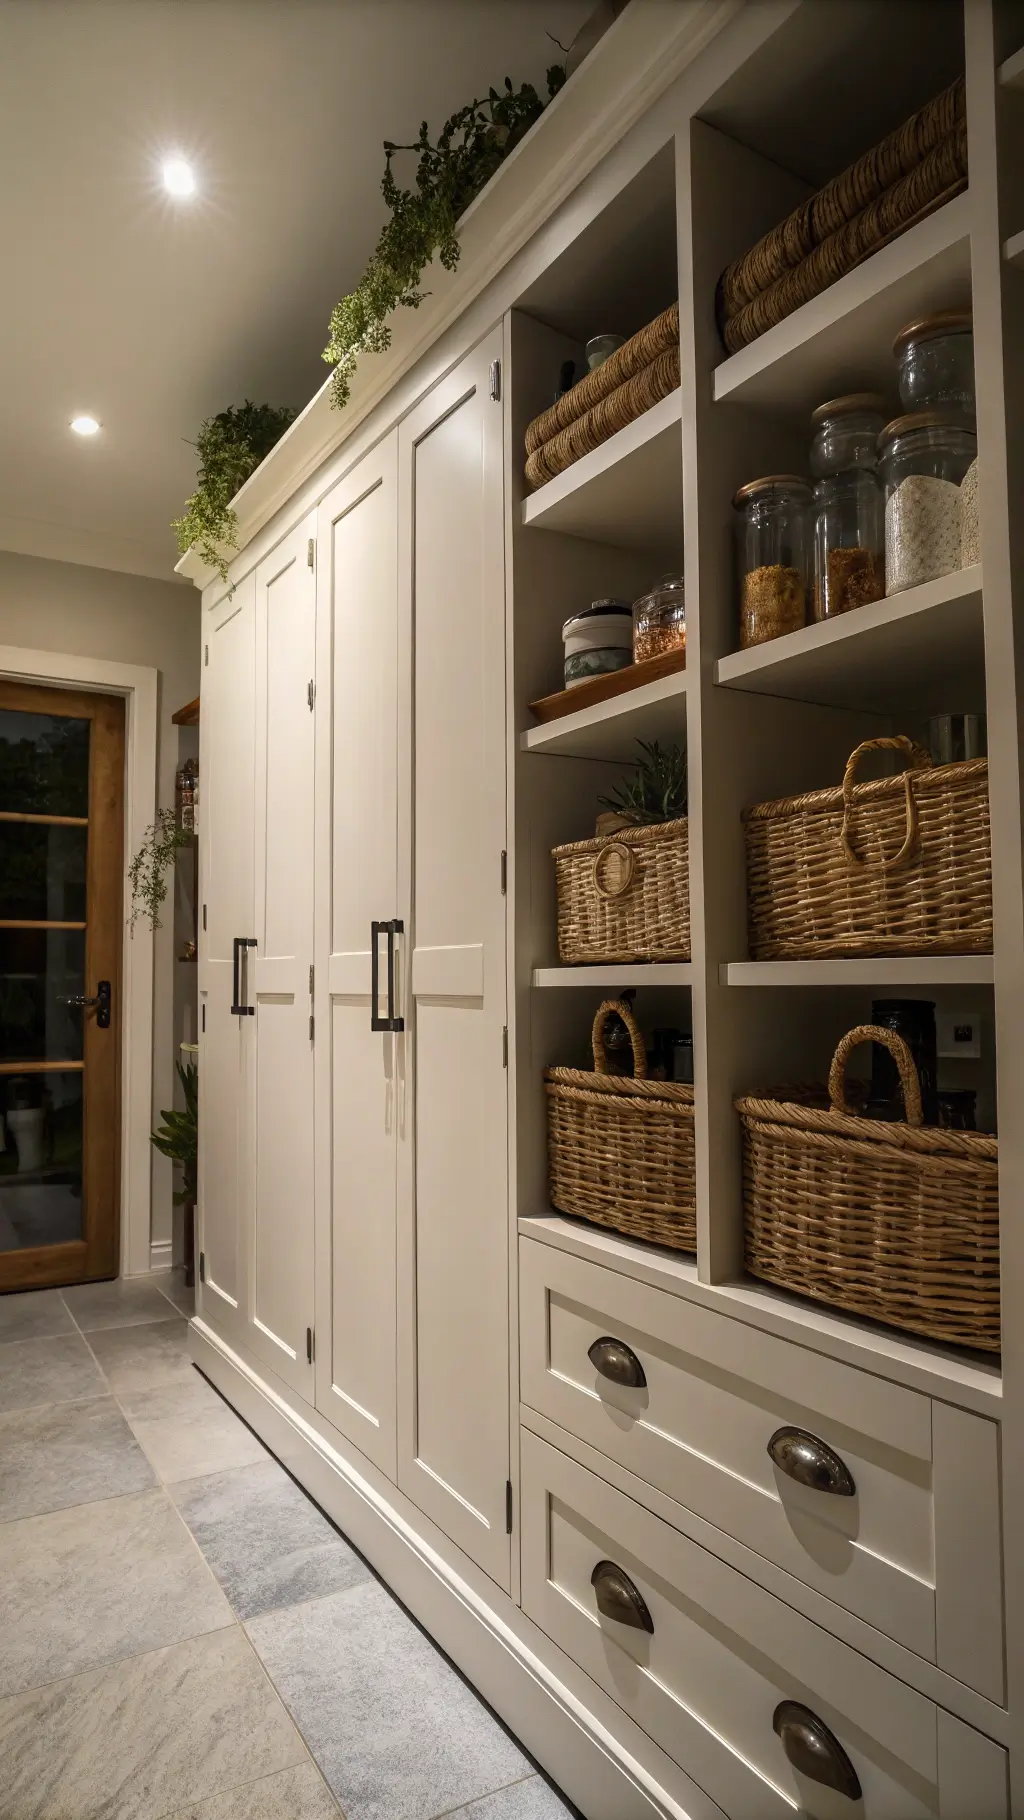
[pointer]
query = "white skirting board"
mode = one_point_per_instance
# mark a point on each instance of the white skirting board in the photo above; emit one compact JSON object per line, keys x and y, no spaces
{"x":485,"y":1635}
{"x":161,"y":1254}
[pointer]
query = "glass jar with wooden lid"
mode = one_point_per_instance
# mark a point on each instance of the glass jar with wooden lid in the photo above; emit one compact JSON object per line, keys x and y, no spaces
{"x":849,"y":541}
{"x":659,"y":619}
{"x":772,"y":556}
{"x":935,"y":355}
{"x":923,"y":457}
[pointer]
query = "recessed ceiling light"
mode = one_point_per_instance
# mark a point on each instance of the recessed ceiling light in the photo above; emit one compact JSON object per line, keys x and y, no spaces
{"x":179,"y":177}
{"x":84,"y":425}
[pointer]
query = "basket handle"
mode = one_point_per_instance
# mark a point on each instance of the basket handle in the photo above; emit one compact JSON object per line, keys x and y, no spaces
{"x":918,"y":760}
{"x":614,"y":846}
{"x":900,"y":1052}
{"x":620,"y":1009}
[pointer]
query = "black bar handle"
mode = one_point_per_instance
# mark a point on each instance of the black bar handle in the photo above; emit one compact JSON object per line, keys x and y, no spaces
{"x":392,"y":928}
{"x":237,"y":1007}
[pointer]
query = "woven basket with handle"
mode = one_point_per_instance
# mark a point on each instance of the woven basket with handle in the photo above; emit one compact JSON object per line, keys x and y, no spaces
{"x":899,"y":1222}
{"x":899,"y":866}
{"x":625,"y":897}
{"x":620,"y":1148}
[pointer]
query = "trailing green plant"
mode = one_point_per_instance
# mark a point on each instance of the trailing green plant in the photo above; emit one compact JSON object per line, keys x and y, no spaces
{"x":657,"y":791}
{"x":148,"y":871}
{"x":178,"y":1136}
{"x":423,"y":221}
{"x":230,"y":447}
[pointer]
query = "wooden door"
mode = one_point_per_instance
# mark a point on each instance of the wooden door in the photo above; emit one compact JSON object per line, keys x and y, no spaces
{"x":357,"y":767}
{"x":453,"y":1148}
{"x":61,"y":931}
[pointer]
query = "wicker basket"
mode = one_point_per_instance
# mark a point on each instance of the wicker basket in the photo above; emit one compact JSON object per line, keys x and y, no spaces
{"x":898,"y":1222}
{"x":625,"y":896}
{"x":644,"y":370}
{"x":899,"y":866}
{"x":620,"y":1149}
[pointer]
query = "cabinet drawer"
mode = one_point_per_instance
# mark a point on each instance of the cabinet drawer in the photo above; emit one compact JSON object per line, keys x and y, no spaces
{"x":703,"y":1659}
{"x":910,"y":1539}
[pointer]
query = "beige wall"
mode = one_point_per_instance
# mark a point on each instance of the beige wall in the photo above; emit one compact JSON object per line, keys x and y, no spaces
{"x":85,"y":612}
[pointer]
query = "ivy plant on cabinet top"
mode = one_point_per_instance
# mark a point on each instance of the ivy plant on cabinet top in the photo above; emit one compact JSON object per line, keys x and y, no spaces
{"x":230,"y":447}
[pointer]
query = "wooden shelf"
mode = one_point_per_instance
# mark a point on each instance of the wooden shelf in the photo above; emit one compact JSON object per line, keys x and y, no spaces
{"x":1013,"y":250}
{"x":842,"y":340}
{"x":629,"y":492}
{"x":629,"y":973}
{"x":610,"y":728}
{"x":188,"y":716}
{"x":1011,"y":73}
{"x":879,"y":970}
{"x":920,"y":650}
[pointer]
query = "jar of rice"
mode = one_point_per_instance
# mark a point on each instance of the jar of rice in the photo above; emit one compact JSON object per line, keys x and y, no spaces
{"x":922,"y":459}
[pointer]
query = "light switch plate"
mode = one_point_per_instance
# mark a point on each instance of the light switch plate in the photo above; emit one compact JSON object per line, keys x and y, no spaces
{"x":958,"y":1033}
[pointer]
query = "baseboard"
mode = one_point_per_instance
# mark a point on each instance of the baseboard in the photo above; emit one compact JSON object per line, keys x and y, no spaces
{"x":161,"y":1254}
{"x":592,"y":1750}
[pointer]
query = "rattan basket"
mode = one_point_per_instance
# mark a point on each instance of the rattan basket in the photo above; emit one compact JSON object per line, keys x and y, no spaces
{"x":898,"y":1222}
{"x":644,"y":370}
{"x":620,"y":1148}
{"x":899,"y":866}
{"x":625,"y":896}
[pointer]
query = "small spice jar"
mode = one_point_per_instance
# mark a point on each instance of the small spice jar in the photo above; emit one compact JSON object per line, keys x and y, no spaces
{"x":659,"y":620}
{"x":598,"y":641}
{"x":849,"y":540}
{"x":923,"y":459}
{"x":935,"y":355}
{"x":773,"y":535}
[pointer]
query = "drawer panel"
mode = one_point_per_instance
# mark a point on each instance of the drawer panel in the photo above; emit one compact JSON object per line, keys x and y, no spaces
{"x":914,"y":1551}
{"x":721,"y":1655}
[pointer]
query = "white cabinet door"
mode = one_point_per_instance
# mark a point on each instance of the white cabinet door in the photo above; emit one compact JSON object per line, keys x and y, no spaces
{"x":357,"y":559}
{"x":453,"y":1456}
{"x":281,"y":1214}
{"x":226,"y":889}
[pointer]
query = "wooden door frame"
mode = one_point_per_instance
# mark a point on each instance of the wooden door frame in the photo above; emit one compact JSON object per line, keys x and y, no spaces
{"x":138,"y":686}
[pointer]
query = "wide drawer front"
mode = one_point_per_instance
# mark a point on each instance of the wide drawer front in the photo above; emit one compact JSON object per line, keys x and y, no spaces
{"x":875,"y":1495}
{"x":762,"y":1708}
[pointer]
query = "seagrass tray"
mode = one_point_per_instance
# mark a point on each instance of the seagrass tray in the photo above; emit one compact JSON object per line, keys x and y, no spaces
{"x":625,"y":896}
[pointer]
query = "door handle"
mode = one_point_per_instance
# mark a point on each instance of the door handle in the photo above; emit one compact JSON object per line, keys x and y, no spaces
{"x":618,"y":1598}
{"x":813,"y":1750}
{"x":101,"y":1002}
{"x":390,"y":929}
{"x":617,"y":1361}
{"x":238,"y":1009}
{"x":810,"y":1461}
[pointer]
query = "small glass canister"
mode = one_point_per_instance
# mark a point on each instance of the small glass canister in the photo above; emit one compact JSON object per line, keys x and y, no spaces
{"x":773,"y":537}
{"x":659,"y":620}
{"x":935,"y":355}
{"x":922,"y":459}
{"x":849,"y":540}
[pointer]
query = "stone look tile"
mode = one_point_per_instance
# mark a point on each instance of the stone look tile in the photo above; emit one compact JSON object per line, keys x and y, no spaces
{"x":188,"y":1430}
{"x":33,"y":1315}
{"x":267,"y":1543}
{"x":136,"y":1358}
{"x":145,"y":1737}
{"x":293,"y":1794}
{"x":56,"y":1370}
{"x":397,"y":1733}
{"x":126,"y":1302}
{"x":98,"y":1583}
{"x":529,"y":1800}
{"x":171,"y":1283}
{"x":67,"y":1453}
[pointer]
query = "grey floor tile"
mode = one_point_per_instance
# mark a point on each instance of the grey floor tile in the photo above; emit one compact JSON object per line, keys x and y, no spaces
{"x":136,"y":1358}
{"x":266,"y":1542}
{"x":33,"y":1315}
{"x":97,"y":1583}
{"x":67,"y":1453}
{"x":188,"y":1430}
{"x":171,"y":1283}
{"x":145,"y":1737}
{"x":60,"y":1369}
{"x":293,"y":1794}
{"x":126,"y":1302}
{"x":529,"y":1800}
{"x":397,"y":1733}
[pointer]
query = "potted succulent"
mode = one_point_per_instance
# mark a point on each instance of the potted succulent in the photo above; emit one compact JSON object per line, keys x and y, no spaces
{"x":178,"y":1138}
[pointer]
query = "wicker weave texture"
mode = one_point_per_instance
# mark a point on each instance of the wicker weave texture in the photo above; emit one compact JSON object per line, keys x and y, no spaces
{"x":625,"y":897}
{"x":899,"y":866}
{"x":627,"y":402}
{"x":620,"y":1149}
{"x":657,"y":337}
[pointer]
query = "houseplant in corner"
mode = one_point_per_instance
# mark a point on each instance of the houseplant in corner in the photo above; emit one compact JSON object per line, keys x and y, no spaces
{"x":178,"y":1139}
{"x":148,"y":870}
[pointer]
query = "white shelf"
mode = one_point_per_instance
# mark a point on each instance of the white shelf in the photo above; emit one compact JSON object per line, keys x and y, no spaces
{"x":1013,"y":250}
{"x":841,"y":341}
{"x":629,"y":973}
{"x":610,"y":729}
{"x":1011,"y":73}
{"x":882,"y":970}
{"x":629,"y":492}
{"x":921,"y":650}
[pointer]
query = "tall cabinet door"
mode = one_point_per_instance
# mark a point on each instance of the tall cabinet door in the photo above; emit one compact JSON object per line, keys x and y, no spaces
{"x":453,"y":1164}
{"x":357,"y":546}
{"x":280,"y":1307}
{"x":225,"y":1178}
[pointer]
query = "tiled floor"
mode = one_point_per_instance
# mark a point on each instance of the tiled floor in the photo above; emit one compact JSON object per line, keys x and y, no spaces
{"x":183,"y":1635}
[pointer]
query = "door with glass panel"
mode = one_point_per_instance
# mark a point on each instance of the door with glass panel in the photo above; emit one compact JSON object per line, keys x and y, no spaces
{"x":61,"y":924}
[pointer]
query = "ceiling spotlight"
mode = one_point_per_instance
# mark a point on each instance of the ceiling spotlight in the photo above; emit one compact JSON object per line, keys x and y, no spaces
{"x":84,"y":425}
{"x":179,"y":177}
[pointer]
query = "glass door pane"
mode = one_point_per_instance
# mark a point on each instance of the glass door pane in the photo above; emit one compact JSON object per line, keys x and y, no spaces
{"x":40,"y":1159}
{"x":44,"y":763}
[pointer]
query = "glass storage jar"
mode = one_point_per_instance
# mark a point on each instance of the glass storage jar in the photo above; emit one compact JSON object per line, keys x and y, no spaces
{"x":923,"y":459}
{"x":774,"y":518}
{"x":659,"y":620}
{"x":849,"y":542}
{"x":936,"y":363}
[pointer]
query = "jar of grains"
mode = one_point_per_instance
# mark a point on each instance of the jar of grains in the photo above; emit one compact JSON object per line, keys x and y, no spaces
{"x":774,"y":521}
{"x":849,"y":542}
{"x":923,"y":459}
{"x":936,"y":361}
{"x":659,"y":620}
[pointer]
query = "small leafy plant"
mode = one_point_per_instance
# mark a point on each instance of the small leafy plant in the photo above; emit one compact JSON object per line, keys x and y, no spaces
{"x":657,"y":792}
{"x":178,"y":1136}
{"x":148,"y":871}
{"x":230,"y":447}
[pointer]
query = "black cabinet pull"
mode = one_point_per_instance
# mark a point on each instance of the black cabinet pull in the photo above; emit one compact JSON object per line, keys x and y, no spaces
{"x":813,"y":1750}
{"x":390,"y":929}
{"x":238,"y":1009}
{"x":618,"y":1362}
{"x":810,"y":1461}
{"x":619,"y":1599}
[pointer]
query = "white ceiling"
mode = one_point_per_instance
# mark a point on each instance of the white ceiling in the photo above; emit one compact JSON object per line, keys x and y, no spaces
{"x":152,"y":315}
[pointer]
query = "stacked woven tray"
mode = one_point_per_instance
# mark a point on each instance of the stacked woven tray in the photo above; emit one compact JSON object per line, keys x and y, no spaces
{"x":644,"y":370}
{"x":905,"y":177}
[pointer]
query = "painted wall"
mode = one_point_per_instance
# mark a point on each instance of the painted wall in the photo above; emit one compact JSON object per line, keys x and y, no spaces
{"x":86,"y":612}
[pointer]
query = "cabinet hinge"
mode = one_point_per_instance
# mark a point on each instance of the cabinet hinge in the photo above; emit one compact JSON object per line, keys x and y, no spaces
{"x":504,"y":1046}
{"x":504,"y":872}
{"x":202,"y":1267}
{"x":309,"y":1345}
{"x":312,"y":1025}
{"x":206,"y":654}
{"x":204,"y":916}
{"x":204,"y":1018}
{"x":311,"y":552}
{"x":495,"y":377}
{"x":508,"y":1507}
{"x":310,"y":693}
{"x":311,"y":979}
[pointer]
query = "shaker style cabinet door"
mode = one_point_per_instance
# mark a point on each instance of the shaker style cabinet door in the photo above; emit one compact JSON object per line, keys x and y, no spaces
{"x":453,"y":1427}
{"x":357,"y":887}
